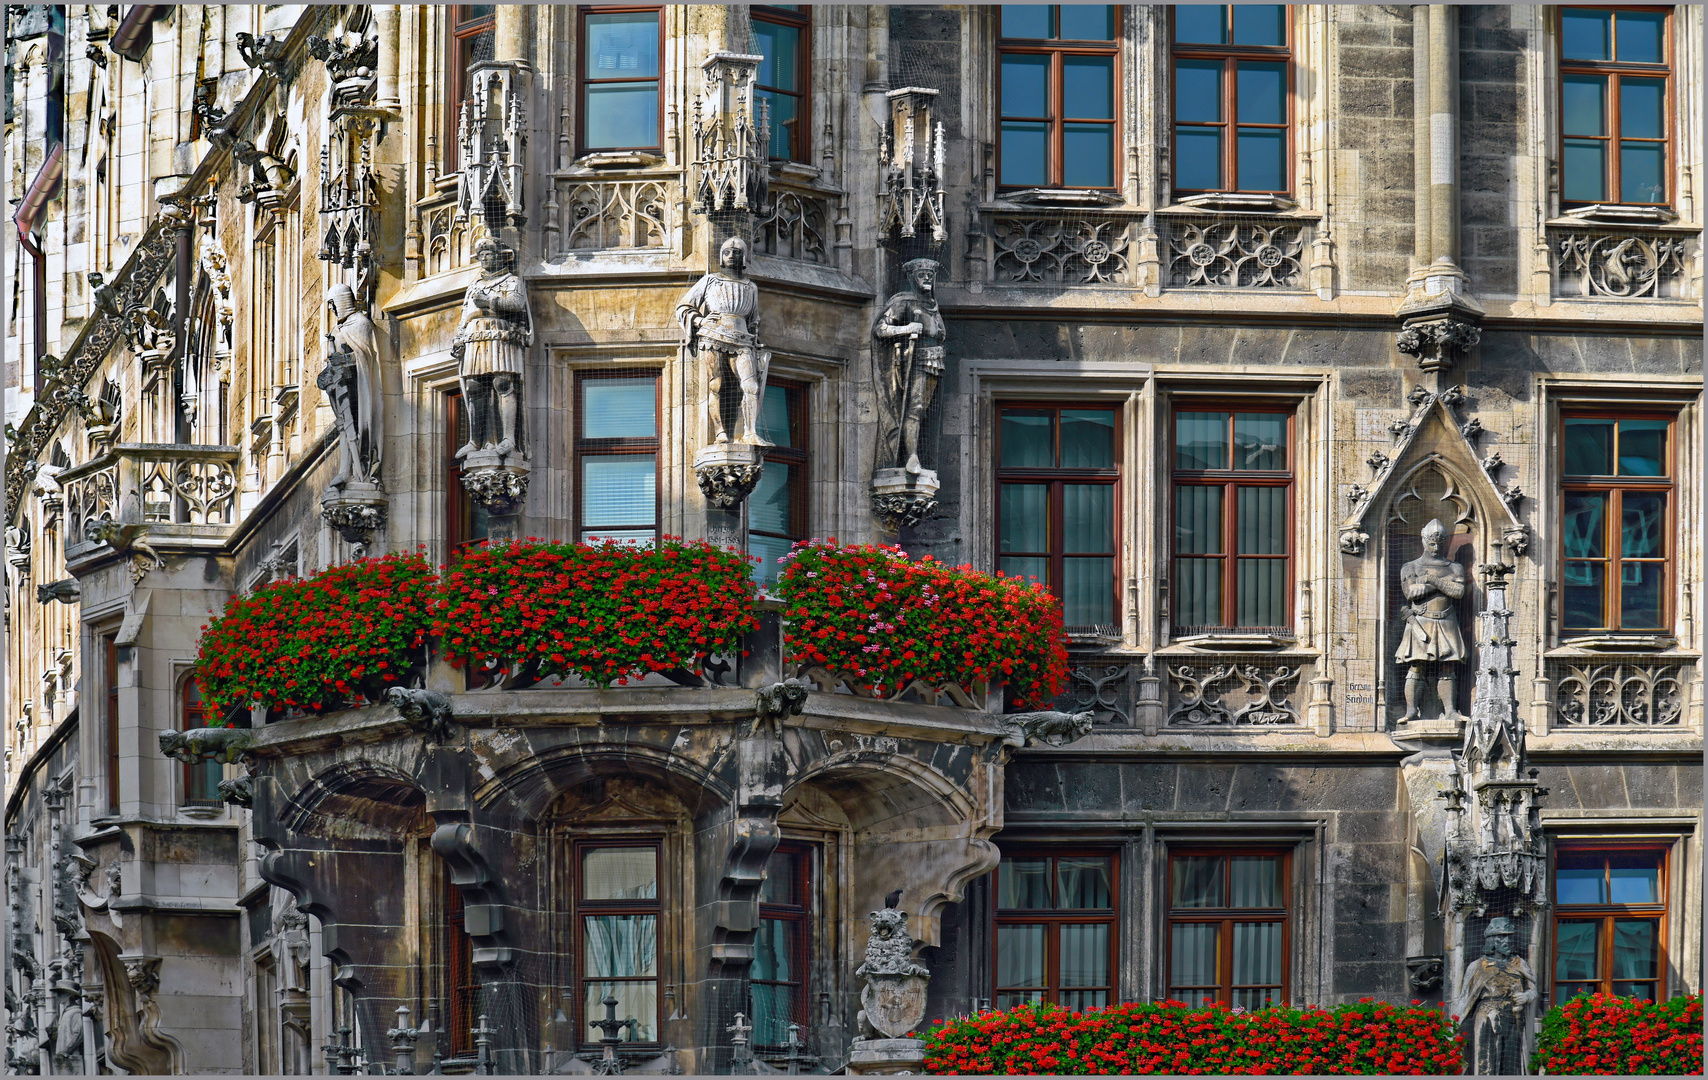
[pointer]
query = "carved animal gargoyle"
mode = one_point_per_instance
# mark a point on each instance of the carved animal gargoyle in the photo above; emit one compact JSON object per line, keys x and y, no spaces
{"x":262,"y":51}
{"x":66,"y":591}
{"x":239,"y":791}
{"x":780,"y":699}
{"x":1049,"y":728}
{"x":125,"y":538}
{"x":224,"y":745}
{"x":425,"y":708}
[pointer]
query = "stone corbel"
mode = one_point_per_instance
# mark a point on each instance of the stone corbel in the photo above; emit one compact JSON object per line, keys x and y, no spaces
{"x":1438,"y":343}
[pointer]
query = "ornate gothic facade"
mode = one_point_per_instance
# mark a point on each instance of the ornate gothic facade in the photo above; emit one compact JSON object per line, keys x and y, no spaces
{"x":1339,"y":367}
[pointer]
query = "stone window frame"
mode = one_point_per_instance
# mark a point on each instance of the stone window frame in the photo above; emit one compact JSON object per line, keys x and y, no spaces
{"x":1057,"y":49}
{"x":1612,"y":71}
{"x":1226,"y":916}
{"x":1054,"y":918}
{"x":803,"y":916}
{"x":1230,"y":54}
{"x":629,"y":446}
{"x":184,"y":682}
{"x":1606,"y":913}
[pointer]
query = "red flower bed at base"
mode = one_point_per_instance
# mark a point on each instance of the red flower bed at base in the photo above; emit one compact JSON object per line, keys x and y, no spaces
{"x":882,"y":621}
{"x":1172,"y":1038}
{"x":1602,"y":1035}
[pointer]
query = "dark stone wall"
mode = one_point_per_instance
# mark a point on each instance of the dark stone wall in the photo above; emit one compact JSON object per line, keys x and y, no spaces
{"x":1492,"y":97}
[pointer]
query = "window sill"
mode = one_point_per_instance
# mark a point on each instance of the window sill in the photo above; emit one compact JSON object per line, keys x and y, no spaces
{"x":1615,"y":214}
{"x":1081,"y":197}
{"x":205,"y":811}
{"x":795,"y":171}
{"x":1231,"y":641}
{"x":1239,"y":203}
{"x":1621,"y":643}
{"x":617,"y":159}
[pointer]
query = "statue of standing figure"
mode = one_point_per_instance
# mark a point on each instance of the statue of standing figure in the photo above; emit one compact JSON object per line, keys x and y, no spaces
{"x":491,"y":349}
{"x":1494,"y":999}
{"x":720,"y":322}
{"x":1433,"y":586}
{"x":351,"y":381}
{"x":910,"y":334}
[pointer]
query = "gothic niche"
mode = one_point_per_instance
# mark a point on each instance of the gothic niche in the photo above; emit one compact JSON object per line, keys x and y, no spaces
{"x":1429,"y":494}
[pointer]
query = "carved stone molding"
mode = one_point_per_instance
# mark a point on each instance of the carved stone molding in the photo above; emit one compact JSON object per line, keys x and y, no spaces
{"x":355,"y":510}
{"x":1438,"y":343}
{"x":1623,"y":264}
{"x":500,"y":489}
{"x":727,"y":473}
{"x":1051,"y":250}
{"x":1253,"y":692}
{"x":1633,"y":694}
{"x":609,"y":214}
{"x":902,"y":500}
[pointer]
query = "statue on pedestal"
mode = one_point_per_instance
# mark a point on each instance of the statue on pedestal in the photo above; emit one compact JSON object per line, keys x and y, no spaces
{"x":1495,"y":998}
{"x":910,"y":335}
{"x":491,"y":349}
{"x":1433,"y":587}
{"x":720,"y":322}
{"x":351,"y":381}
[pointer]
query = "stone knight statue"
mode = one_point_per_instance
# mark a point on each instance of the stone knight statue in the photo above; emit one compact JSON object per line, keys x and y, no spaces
{"x":491,"y":348}
{"x":1495,"y":999}
{"x":351,"y":380}
{"x":720,"y":322}
{"x":1433,"y":586}
{"x":910,"y":335}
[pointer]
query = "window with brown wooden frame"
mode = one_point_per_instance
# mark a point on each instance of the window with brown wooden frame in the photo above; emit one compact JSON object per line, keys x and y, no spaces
{"x":201,"y":780}
{"x":1233,"y":518}
{"x":618,"y":78}
{"x":781,"y":975}
{"x":462,"y":985}
{"x":1233,"y":94}
{"x":617,"y":914}
{"x":1615,"y":105}
{"x":1228,"y":927}
{"x":1055,"y":928}
{"x":1058,"y":74}
{"x":777,"y":509}
{"x":782,"y":34}
{"x":466,"y":521}
{"x":470,"y":41}
{"x":109,"y":652}
{"x":1057,"y":504}
{"x":616,"y":456}
{"x":1616,"y":522}
{"x":1609,"y":921}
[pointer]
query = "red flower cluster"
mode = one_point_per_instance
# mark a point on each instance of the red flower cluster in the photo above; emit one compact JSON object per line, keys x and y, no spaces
{"x":607,"y":612}
{"x":871,"y":615}
{"x":1603,"y":1035}
{"x":317,"y":643}
{"x":1370,"y":1037}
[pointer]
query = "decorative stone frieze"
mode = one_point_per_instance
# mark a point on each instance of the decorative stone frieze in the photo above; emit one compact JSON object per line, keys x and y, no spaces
{"x":606,"y":215}
{"x":1247,"y":692}
{"x":1236,"y":252}
{"x":797,"y":226}
{"x":1623,"y":264}
{"x":1629,"y":694}
{"x":1058,"y":250}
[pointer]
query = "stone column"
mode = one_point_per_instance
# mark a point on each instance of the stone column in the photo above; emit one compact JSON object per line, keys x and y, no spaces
{"x":1421,"y":236}
{"x":1443,"y":137}
{"x":509,"y":33}
{"x":387,"y":18}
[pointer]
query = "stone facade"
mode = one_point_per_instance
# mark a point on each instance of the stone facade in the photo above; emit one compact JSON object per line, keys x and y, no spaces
{"x":1422,"y":304}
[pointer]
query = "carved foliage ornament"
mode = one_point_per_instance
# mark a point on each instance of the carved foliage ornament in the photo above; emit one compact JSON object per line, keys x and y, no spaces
{"x":1236,"y":254}
{"x":1621,"y":265}
{"x":1228,"y":695}
{"x":1057,"y":251}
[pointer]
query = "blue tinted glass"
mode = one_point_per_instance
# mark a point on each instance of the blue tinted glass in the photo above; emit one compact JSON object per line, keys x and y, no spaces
{"x":1028,"y":439}
{"x":1642,"y":109}
{"x":1260,"y":159}
{"x":1640,"y":595}
{"x":780,"y":47}
{"x":1640,"y":168}
{"x":1201,"y":440}
{"x":1198,"y":159}
{"x":1585,"y":523}
{"x":622,"y":46}
{"x":1260,"y":24}
{"x":1088,"y":155}
{"x":1025,"y":85}
{"x":1088,"y":439}
{"x":1197,"y":91}
{"x":617,"y":491}
{"x":768,"y":549}
{"x":780,"y":109}
{"x":1589,"y":447}
{"x":1260,"y":441}
{"x":1585,"y":589}
{"x":1088,"y":22}
{"x":1262,"y":93}
{"x":774,"y":416}
{"x":768,"y":508}
{"x":1025,"y":154}
{"x":1641,"y":37}
{"x":1642,"y":447}
{"x":1028,"y":21}
{"x":1586,"y":171}
{"x":1201,"y":24}
{"x":1642,"y":525}
{"x":1088,"y":87}
{"x":620,"y":115}
{"x":1585,"y":35}
{"x":1583,"y":105}
{"x":619,"y":409}
{"x":1025,"y":518}
{"x":1580,"y":885}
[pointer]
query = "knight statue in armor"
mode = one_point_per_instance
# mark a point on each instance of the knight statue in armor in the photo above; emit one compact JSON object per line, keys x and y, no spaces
{"x":1433,"y":586}
{"x":910,"y":335}
{"x":720,"y":322}
{"x":1495,"y":998}
{"x":351,"y":380}
{"x":491,"y":348}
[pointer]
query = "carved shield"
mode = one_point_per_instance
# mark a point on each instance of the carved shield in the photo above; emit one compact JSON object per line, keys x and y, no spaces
{"x":895,"y":1004}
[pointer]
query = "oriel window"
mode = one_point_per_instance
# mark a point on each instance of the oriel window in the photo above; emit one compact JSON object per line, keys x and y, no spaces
{"x":620,"y":104}
{"x":782,"y":34}
{"x":1233,"y":531}
{"x":1057,"y":80}
{"x":201,"y":781}
{"x":1227,"y":927}
{"x":1615,"y":98}
{"x":780,"y":952}
{"x":1232,"y":97}
{"x":777,"y":509}
{"x":1610,"y":922}
{"x":1616,"y":522}
{"x":617,"y":908}
{"x":1055,"y":929}
{"x":616,"y":453}
{"x":1057,"y":494}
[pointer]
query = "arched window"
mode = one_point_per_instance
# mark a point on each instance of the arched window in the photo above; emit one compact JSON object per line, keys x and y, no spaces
{"x":201,"y":781}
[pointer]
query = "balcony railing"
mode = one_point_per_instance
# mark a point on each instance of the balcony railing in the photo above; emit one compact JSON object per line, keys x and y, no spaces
{"x":173,"y":484}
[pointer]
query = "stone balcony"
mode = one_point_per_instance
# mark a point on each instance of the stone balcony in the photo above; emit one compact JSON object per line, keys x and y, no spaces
{"x":166,"y":492}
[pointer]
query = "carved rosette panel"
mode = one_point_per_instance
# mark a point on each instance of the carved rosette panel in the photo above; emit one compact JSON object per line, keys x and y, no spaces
{"x":1061,"y":251}
{"x":1243,"y":692}
{"x":1627,"y":694}
{"x":1619,"y":264}
{"x":1237,"y":254}
{"x":613,"y":214}
{"x":794,"y":229}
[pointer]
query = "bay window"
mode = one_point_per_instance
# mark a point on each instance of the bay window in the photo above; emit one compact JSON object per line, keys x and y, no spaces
{"x":616,"y":451}
{"x":1055,"y":929}
{"x":1057,"y":499}
{"x":1615,"y":95}
{"x":1616,"y":522}
{"x":1227,"y":927}
{"x":1057,"y":79}
{"x":621,"y":108}
{"x":1232,"y":519}
{"x":617,"y":912}
{"x":1232,"y":97}
{"x":1609,"y":922}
